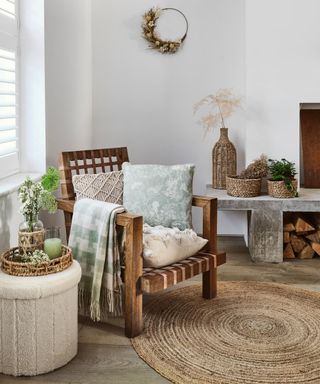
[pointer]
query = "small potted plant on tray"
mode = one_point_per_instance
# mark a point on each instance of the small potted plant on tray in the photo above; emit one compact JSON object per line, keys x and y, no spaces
{"x":282,"y":183}
{"x":248,"y":183}
{"x":35,"y":256}
{"x":35,"y":196}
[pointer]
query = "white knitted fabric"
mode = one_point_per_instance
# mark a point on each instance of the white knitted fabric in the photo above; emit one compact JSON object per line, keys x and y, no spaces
{"x":164,"y":246}
{"x":106,"y":187}
{"x":38,"y":321}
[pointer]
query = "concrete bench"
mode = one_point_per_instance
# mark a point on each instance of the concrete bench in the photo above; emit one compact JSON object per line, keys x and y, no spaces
{"x":265,"y":218}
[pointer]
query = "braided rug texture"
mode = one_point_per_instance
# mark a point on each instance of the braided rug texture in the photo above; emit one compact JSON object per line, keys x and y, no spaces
{"x":252,"y":333}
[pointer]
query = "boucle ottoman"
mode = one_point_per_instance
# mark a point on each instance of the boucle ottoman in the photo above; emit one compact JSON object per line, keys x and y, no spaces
{"x":38,"y":321}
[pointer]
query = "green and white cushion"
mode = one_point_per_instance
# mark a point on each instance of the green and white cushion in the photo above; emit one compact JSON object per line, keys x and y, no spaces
{"x":161,"y":194}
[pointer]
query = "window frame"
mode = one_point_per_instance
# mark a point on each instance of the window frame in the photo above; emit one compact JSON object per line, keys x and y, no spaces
{"x":9,"y":40}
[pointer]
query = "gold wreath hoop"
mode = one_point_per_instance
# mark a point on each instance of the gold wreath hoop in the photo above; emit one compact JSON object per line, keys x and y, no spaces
{"x":149,"y":25}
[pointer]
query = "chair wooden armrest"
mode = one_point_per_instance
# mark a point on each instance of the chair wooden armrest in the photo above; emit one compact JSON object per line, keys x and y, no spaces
{"x":65,"y":205}
{"x":123,"y":219}
{"x":209,"y":219}
{"x":201,"y":201}
{"x":208,"y":204}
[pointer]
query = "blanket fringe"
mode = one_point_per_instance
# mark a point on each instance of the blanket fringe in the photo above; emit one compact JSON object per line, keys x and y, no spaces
{"x":100,"y":311}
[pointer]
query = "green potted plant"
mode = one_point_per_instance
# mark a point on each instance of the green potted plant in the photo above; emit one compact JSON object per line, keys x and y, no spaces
{"x":35,"y":196}
{"x":282,"y":183}
{"x":248,"y":183}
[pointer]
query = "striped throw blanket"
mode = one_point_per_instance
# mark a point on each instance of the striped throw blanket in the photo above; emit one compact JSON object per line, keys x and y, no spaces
{"x":93,"y":240}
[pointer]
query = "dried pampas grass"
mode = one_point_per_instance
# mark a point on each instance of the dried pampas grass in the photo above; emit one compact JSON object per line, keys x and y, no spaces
{"x":221,"y":106}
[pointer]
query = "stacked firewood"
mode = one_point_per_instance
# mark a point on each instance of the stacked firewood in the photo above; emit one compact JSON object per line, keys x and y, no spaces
{"x":301,"y":236}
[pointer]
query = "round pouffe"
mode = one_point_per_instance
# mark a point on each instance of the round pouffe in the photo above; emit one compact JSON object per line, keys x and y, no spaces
{"x":38,"y":321}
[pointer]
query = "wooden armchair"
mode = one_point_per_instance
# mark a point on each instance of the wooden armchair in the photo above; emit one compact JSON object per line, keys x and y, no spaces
{"x":139,"y":280}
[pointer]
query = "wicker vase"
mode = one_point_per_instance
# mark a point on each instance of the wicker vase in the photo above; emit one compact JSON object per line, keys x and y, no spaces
{"x":224,"y":160}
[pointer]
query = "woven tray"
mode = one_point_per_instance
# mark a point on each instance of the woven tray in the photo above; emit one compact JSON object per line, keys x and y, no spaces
{"x":11,"y":265}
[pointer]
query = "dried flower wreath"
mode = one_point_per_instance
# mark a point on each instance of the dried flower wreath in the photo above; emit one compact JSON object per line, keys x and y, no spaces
{"x":149,"y":25}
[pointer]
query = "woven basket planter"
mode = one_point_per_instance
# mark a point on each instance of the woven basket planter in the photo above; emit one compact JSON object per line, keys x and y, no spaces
{"x":279,"y":190}
{"x":30,"y":241}
{"x":243,"y":187}
{"x":11,"y":265}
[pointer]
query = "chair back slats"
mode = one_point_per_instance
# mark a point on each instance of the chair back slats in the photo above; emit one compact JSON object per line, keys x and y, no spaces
{"x":101,"y":160}
{"x":88,"y":161}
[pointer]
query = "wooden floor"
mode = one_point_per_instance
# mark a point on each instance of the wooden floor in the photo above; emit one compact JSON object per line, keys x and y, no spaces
{"x":106,"y":356}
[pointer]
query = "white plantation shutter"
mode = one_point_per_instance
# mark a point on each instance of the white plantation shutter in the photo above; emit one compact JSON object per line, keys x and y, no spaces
{"x":8,"y":88}
{"x":8,"y":123}
{"x":7,"y":8}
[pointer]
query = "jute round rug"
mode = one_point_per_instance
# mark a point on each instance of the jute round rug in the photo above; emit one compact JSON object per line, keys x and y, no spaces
{"x":251,"y":333}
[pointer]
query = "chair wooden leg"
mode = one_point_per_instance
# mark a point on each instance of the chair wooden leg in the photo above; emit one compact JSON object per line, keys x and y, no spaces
{"x":68,"y":220}
{"x":133,"y":273}
{"x":209,"y":283}
{"x":133,"y":316}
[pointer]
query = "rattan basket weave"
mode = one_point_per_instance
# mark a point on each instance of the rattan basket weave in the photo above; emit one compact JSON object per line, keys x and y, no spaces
{"x":243,"y":187}
{"x":11,"y":265}
{"x":279,"y":190}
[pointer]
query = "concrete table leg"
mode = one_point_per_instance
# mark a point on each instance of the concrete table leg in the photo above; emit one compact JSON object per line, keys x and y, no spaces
{"x":266,"y":235}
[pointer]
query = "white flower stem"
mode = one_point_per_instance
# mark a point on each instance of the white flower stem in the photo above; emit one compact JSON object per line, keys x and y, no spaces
{"x":221,"y":115}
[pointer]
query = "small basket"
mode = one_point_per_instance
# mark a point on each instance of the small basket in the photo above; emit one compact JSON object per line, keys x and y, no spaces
{"x":30,"y":241}
{"x":243,"y":187}
{"x":11,"y":265}
{"x":279,"y":190}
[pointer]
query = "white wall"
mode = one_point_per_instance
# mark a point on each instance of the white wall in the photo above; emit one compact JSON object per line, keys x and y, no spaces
{"x":68,"y":81}
{"x":68,"y":76}
{"x":144,"y":100}
{"x":282,"y":71}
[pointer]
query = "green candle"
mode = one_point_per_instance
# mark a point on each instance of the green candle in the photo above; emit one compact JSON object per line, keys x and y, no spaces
{"x":52,"y":247}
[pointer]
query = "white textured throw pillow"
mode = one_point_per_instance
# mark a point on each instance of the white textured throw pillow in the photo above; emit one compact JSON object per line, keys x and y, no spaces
{"x":164,"y":246}
{"x":101,"y":186}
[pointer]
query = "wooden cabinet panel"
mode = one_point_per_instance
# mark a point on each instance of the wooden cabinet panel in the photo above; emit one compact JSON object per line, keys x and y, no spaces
{"x":310,"y":135}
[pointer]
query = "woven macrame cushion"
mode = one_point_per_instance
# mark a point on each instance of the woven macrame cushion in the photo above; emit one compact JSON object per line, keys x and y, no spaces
{"x":101,"y":186}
